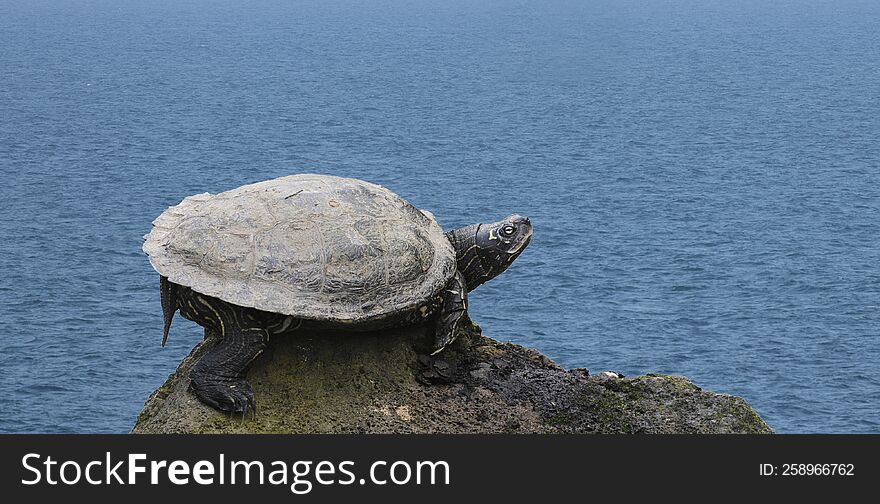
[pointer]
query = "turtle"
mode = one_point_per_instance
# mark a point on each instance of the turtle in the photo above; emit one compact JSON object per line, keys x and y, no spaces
{"x":314,"y":251}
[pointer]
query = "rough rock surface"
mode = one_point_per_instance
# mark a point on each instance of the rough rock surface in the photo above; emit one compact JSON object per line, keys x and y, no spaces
{"x":386,"y":383}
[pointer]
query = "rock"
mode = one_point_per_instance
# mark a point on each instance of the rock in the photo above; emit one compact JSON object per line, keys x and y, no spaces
{"x":387,"y":383}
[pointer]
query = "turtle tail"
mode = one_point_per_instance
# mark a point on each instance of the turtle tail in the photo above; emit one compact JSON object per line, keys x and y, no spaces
{"x":168,"y":292}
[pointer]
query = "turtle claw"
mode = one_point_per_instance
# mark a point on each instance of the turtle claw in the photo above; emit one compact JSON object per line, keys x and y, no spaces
{"x":230,"y":395}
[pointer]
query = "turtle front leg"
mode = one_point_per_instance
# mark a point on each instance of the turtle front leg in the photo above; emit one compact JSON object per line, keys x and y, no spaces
{"x":453,"y":313}
{"x":218,"y":379}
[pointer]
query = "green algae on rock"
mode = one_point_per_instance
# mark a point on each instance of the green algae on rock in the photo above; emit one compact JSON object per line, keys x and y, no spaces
{"x":387,"y":383}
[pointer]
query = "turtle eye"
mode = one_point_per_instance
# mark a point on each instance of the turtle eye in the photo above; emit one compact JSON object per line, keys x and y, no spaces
{"x":507,"y":231}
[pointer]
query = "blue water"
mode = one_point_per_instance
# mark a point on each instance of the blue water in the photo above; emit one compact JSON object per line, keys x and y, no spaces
{"x":703,"y":178}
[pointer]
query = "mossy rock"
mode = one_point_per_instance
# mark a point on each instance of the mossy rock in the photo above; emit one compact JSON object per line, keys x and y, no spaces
{"x":387,"y":383}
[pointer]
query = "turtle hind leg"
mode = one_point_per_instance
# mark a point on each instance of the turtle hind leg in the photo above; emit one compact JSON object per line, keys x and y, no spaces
{"x":453,"y":313}
{"x":219,"y":378}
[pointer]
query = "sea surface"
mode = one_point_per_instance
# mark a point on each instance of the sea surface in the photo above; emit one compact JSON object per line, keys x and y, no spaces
{"x":703,"y":178}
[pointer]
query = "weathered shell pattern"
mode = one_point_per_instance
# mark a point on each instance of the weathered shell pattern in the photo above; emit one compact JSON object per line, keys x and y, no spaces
{"x":312,"y":246}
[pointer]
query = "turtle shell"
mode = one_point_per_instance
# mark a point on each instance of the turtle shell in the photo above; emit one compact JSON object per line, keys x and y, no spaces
{"x":313,"y":246}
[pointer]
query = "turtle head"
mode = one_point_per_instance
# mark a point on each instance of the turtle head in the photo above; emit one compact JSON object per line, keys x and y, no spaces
{"x":483,"y":251}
